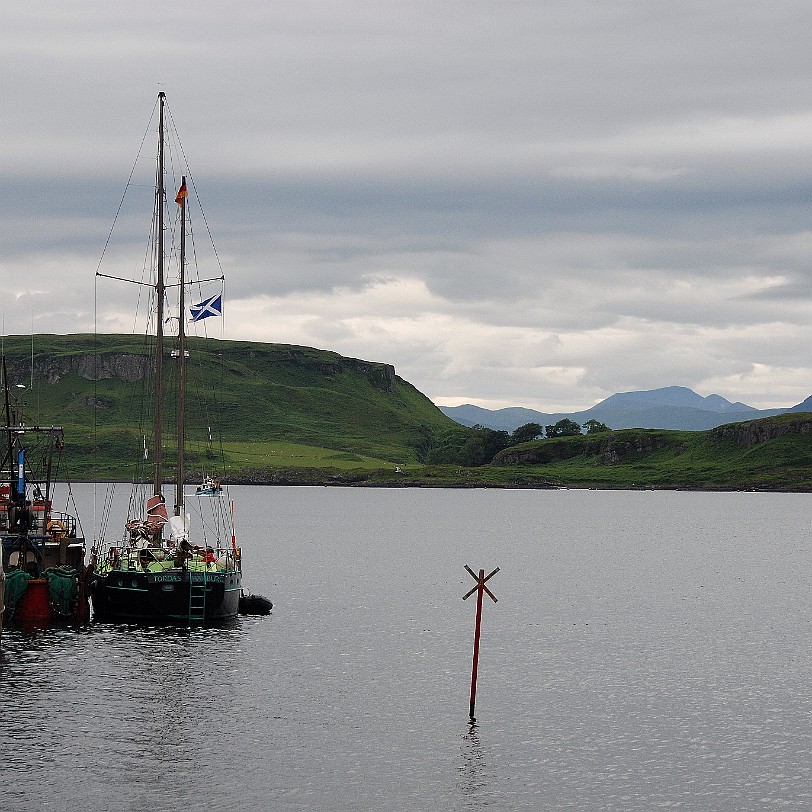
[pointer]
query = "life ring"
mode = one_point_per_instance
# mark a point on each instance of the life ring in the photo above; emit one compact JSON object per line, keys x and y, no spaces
{"x":57,"y":529}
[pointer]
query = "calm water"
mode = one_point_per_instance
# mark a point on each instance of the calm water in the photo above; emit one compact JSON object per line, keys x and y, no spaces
{"x":649,"y":650}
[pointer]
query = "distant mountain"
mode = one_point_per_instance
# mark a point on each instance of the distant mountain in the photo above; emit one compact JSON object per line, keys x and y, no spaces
{"x":805,"y":406}
{"x":671,"y":407}
{"x":672,"y":397}
{"x":500,"y":419}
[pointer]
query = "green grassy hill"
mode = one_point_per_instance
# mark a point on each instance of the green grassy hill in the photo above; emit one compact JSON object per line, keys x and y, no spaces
{"x":275,"y":405}
{"x":773,"y":453}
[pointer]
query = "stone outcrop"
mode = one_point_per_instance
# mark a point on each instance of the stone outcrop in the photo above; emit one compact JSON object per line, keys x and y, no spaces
{"x":756,"y":432}
{"x":380,"y":376}
{"x":619,"y":448}
{"x":123,"y":366}
{"x":131,"y":368}
{"x":613,"y":448}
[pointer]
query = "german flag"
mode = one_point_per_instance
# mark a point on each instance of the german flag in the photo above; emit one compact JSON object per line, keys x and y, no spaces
{"x":182,"y":194}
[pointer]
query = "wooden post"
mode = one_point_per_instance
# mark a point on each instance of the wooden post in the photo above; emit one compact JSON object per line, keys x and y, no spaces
{"x":480,"y":588}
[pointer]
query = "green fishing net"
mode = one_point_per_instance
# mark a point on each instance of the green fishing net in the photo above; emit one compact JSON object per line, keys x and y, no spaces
{"x":63,"y":589}
{"x":16,"y":584}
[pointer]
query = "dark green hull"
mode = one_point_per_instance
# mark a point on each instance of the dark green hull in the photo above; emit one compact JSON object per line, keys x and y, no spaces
{"x":166,"y":597}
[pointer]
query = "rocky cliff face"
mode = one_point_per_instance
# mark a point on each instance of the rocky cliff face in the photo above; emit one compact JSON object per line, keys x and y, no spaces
{"x":380,"y":376}
{"x":131,"y":368}
{"x":125,"y":367}
{"x":619,"y":448}
{"x":755,"y":432}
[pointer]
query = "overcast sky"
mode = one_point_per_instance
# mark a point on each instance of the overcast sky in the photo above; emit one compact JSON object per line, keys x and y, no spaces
{"x":514,"y":203}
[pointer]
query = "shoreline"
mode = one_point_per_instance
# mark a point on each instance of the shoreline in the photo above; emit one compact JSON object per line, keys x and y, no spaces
{"x":418,"y":483}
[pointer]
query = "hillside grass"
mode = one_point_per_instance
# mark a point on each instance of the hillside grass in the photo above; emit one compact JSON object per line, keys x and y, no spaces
{"x":276,"y":406}
{"x":680,"y":459}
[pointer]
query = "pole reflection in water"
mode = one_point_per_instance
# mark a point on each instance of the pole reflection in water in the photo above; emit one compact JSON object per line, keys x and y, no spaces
{"x":475,"y":772}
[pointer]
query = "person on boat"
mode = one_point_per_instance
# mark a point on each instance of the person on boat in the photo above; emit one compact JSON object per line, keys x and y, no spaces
{"x":183,"y":553}
{"x":24,"y":519}
{"x":208,"y":555}
{"x":145,"y":558}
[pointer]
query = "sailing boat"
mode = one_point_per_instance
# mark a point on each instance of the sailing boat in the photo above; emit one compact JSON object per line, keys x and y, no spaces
{"x":160,"y":571}
{"x":43,"y":549}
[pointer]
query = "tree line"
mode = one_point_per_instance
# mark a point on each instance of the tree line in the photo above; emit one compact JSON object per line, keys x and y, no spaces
{"x":479,"y":445}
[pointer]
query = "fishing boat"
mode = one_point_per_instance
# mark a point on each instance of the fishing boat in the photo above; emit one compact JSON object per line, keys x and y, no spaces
{"x":209,"y":487}
{"x":163,"y":568}
{"x":43,"y":550}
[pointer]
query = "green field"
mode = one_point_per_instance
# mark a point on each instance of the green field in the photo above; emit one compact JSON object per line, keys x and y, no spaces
{"x":275,"y":455}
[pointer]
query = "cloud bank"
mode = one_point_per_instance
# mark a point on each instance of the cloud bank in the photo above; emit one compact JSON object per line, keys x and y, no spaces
{"x":514,"y":203}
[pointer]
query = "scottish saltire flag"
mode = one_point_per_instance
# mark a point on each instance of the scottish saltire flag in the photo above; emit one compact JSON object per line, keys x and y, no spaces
{"x":208,"y":307}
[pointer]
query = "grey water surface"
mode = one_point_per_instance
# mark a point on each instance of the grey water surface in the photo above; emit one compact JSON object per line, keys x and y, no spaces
{"x":649,"y":650}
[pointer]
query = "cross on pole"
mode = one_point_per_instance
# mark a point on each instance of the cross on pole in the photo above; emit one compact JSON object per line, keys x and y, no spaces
{"x":480,"y":588}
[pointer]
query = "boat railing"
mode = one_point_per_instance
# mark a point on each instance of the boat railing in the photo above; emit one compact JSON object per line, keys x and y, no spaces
{"x":58,"y":523}
{"x":43,"y":522}
{"x":159,"y":559}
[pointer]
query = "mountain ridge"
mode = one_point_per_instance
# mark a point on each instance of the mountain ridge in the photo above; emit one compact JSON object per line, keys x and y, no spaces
{"x":669,"y":407}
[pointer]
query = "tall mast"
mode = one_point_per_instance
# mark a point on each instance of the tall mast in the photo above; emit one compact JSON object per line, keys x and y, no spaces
{"x":159,"y":292}
{"x":10,"y":433}
{"x":181,"y":474}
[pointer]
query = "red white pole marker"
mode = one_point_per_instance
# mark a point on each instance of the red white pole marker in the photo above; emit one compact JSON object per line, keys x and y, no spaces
{"x":479,"y":589}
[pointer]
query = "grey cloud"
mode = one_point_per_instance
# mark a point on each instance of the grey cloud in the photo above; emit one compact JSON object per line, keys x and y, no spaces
{"x":631,"y":178}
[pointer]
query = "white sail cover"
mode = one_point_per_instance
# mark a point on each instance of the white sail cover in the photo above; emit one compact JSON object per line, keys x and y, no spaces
{"x":179,"y":527}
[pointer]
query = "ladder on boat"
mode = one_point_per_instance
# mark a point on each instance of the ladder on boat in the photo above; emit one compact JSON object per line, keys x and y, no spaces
{"x":197,"y":596}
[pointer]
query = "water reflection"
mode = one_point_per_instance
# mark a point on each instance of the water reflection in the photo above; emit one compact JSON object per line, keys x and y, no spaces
{"x":149,"y":705}
{"x":475,"y":771}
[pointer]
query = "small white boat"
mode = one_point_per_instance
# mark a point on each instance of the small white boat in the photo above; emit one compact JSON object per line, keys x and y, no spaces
{"x":209,"y":487}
